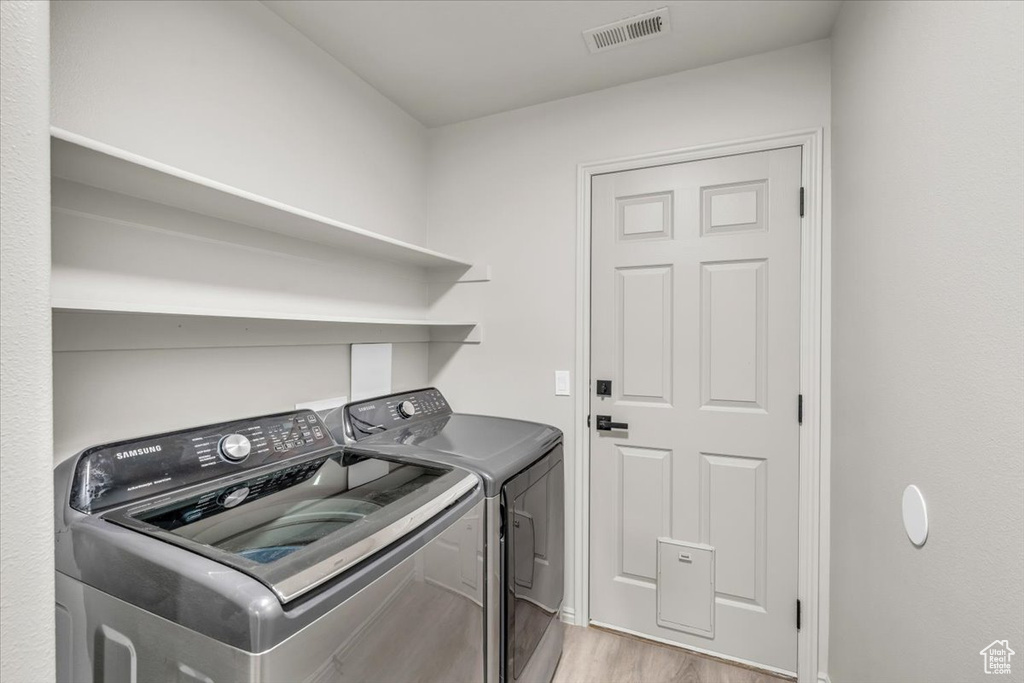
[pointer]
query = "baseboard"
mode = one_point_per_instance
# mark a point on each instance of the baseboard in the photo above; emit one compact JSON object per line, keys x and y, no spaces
{"x":568,"y":615}
{"x":823,"y":677}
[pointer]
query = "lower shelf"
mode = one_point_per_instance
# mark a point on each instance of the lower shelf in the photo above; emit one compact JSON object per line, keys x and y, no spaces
{"x":95,"y":326}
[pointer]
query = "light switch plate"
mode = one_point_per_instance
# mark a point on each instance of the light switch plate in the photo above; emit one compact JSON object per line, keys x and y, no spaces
{"x":562,"y":383}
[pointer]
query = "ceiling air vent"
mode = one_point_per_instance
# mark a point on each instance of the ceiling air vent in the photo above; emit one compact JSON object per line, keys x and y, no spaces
{"x":628,"y":31}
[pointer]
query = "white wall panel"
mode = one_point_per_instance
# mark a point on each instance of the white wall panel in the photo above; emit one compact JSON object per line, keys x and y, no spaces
{"x":409,"y":368}
{"x":371,"y":370}
{"x":231,"y":92}
{"x":103,"y":396}
{"x":26,"y":479}
{"x":928,"y":337}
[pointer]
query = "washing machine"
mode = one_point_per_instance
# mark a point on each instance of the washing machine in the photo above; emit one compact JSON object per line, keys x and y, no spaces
{"x":259,"y":550}
{"x":521,"y":465}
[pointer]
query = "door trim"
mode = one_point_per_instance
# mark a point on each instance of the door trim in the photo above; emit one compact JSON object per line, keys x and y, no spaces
{"x":815,"y":380}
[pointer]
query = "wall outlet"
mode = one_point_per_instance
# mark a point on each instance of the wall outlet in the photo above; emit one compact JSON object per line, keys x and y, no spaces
{"x":323,"y":404}
{"x":562,"y":383}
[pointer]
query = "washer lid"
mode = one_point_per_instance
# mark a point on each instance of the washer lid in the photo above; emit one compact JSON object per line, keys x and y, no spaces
{"x":297,"y":528}
{"x":496,"y":448}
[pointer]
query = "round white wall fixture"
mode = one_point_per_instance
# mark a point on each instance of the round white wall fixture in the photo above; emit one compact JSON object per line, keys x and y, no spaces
{"x":915,"y":515}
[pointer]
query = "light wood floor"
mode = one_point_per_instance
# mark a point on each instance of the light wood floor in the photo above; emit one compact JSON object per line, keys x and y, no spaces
{"x":594,"y":655}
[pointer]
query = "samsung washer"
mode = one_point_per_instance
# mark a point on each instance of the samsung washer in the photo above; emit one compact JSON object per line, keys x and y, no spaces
{"x":521,"y":464}
{"x":258,"y":550}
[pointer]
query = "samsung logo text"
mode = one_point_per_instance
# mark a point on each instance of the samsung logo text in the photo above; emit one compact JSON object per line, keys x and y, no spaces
{"x":138,"y":451}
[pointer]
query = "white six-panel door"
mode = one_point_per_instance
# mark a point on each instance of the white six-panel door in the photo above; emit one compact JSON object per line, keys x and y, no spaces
{"x":696,"y":321}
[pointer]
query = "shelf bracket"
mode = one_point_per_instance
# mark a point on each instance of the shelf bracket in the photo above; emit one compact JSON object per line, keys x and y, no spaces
{"x":452,"y":275}
{"x":457,"y":334}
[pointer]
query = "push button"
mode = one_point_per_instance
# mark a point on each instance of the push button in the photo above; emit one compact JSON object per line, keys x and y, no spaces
{"x":191,"y":516}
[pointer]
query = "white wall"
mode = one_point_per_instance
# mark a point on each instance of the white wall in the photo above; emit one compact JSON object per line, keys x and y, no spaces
{"x":230,"y":91}
{"x":503,"y":191}
{"x":26,"y":480}
{"x":107,"y":395}
{"x":928,"y":330}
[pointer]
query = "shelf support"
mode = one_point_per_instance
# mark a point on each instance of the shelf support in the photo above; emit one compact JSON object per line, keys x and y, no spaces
{"x":452,"y":275}
{"x":458,"y":334}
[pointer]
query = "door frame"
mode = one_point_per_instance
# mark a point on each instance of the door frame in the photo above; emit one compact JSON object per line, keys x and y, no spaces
{"x":815,"y":378}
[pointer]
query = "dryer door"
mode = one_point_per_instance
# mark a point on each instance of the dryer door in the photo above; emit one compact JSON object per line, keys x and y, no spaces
{"x":534,"y":558}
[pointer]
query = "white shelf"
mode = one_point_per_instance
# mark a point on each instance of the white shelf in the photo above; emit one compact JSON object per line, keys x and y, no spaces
{"x":89,"y":162}
{"x":460,"y":331}
{"x":117,"y":307}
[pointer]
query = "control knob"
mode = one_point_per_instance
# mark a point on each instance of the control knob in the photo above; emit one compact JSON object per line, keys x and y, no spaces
{"x":406,"y":409}
{"x":234,"y":448}
{"x":234,"y":496}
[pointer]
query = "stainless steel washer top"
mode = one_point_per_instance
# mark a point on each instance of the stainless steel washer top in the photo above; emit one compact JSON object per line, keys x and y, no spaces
{"x":260,"y":550}
{"x":422,"y":422}
{"x":521,"y":464}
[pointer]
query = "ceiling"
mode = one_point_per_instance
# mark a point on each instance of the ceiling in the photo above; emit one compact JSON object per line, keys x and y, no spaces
{"x":446,"y":61}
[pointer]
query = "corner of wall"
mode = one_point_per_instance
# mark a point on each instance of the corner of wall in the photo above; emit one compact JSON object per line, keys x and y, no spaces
{"x":26,"y":477}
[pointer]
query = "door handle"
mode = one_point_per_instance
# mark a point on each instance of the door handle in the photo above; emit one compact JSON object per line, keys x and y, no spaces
{"x":524,"y":538}
{"x":605,"y":424}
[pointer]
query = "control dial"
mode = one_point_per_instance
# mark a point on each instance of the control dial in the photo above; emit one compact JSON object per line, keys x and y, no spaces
{"x":406,"y":409}
{"x":234,"y":448}
{"x":234,"y":496}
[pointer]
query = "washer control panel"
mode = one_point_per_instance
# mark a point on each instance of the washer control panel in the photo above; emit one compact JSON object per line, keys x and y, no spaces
{"x":122,"y":472}
{"x":376,"y":415}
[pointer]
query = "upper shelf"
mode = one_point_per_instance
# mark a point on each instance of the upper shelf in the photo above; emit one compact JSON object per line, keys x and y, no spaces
{"x":86,"y":161}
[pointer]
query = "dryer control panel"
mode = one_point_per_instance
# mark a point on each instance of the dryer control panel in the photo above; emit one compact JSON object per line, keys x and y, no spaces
{"x":125,"y":471}
{"x":376,"y":415}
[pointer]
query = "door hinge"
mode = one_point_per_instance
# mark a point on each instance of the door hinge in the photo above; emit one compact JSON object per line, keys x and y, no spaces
{"x":799,"y":409}
{"x":798,"y":615}
{"x":588,"y":422}
{"x":801,"y":202}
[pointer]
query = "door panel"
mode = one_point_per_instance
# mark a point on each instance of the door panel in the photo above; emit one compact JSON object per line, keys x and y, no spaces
{"x":734,"y":308}
{"x":645,"y":506}
{"x":732,"y":521}
{"x":644,"y":296}
{"x":695,"y":320}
